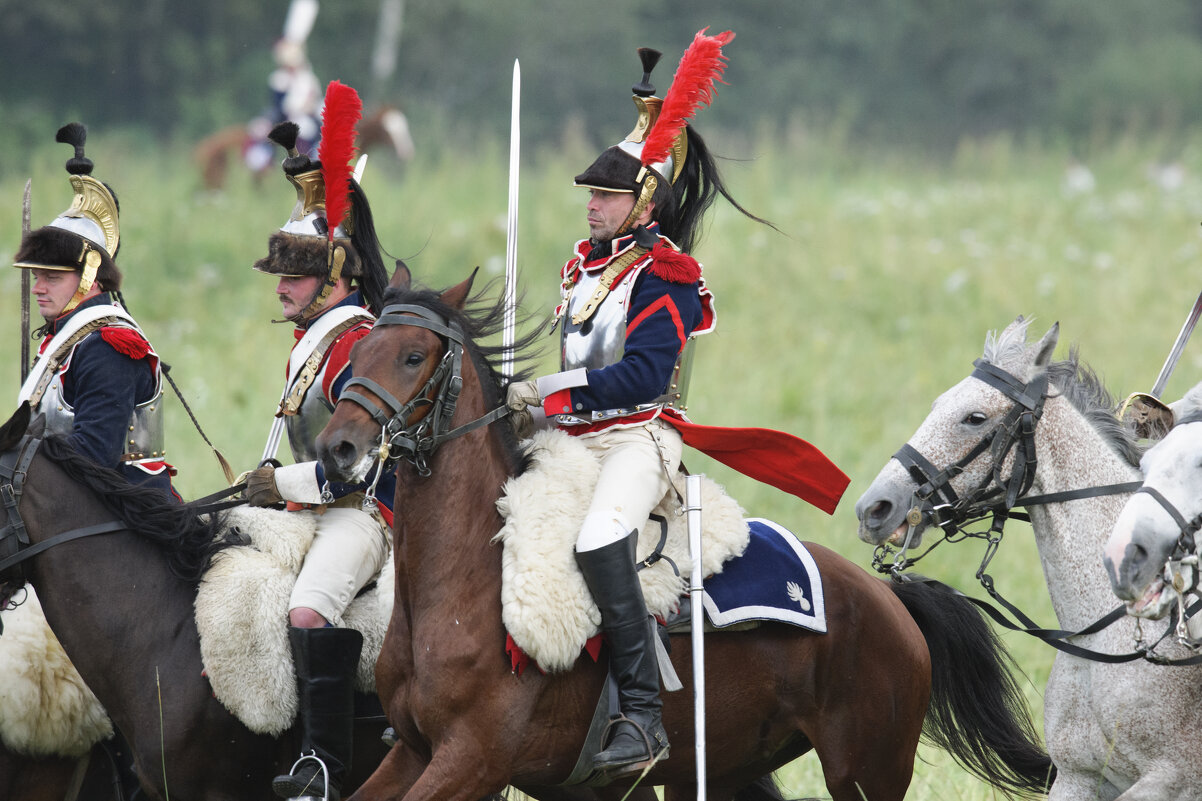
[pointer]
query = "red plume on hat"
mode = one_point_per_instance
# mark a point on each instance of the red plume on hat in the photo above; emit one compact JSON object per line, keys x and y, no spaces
{"x":692,"y":87}
{"x":340,"y":114}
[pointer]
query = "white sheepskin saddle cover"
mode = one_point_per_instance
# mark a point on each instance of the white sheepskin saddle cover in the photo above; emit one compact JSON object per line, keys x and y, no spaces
{"x":545,"y":604}
{"x":242,"y":616}
{"x":45,"y":707}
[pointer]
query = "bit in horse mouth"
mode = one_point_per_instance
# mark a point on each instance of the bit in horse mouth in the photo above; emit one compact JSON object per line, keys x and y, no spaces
{"x":898,"y":536}
{"x":1151,"y":604}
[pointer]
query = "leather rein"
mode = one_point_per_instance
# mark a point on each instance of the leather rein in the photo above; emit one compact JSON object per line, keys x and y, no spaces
{"x":405,"y":431}
{"x":15,"y":547}
{"x":936,"y":503}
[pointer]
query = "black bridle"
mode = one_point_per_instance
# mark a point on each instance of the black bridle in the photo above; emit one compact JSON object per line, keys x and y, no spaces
{"x":416,"y":441}
{"x":994,"y":498}
{"x":935,"y":500}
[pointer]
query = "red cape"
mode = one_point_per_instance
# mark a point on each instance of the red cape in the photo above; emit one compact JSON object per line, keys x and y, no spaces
{"x":781,"y":460}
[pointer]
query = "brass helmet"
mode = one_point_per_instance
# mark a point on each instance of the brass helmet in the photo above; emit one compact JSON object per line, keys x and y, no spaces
{"x":86,"y":236}
{"x":648,"y":162}
{"x":330,"y":232}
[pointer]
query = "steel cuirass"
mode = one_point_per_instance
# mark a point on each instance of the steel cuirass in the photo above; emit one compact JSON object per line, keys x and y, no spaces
{"x":600,"y":340}
{"x":310,"y":418}
{"x":145,"y":439}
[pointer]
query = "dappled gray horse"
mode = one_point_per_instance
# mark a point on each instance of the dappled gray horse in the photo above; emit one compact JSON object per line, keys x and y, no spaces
{"x":1128,"y":731}
{"x":1158,"y":526}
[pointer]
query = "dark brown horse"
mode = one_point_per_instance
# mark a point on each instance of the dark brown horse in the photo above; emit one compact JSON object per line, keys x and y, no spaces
{"x":120,"y":602}
{"x":857,"y":696}
{"x":58,"y":778}
{"x":385,"y":127}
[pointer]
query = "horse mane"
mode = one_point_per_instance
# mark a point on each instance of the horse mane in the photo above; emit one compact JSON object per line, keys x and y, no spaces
{"x":190,"y":541}
{"x":1078,"y":383}
{"x":1084,"y":390}
{"x":479,"y":320}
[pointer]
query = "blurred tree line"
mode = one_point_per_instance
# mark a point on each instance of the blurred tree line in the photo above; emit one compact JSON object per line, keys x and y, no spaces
{"x":923,"y":73}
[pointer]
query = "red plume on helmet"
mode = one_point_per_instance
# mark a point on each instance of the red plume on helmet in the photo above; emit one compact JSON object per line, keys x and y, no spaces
{"x":339,"y":116}
{"x":692,"y":87}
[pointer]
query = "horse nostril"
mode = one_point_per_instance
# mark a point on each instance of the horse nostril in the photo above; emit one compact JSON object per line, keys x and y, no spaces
{"x":878,"y":512}
{"x":345,"y":454}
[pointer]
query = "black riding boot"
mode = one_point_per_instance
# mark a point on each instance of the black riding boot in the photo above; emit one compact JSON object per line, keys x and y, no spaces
{"x":638,"y":736}
{"x":326,"y":661}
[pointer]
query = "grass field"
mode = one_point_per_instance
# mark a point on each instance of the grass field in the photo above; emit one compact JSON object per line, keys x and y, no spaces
{"x":841,"y":329}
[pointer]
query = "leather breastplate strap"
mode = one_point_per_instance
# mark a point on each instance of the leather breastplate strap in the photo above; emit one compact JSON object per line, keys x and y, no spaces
{"x":55,"y":360}
{"x":608,"y":277}
{"x":291,"y":403}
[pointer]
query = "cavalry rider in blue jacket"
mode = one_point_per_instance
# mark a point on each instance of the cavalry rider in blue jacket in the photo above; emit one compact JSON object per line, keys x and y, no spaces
{"x":97,"y":379}
{"x":331,"y":284}
{"x":633,"y":299}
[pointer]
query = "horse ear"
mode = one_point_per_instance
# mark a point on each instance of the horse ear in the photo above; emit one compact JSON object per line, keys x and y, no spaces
{"x":1043,"y":351}
{"x":402,"y":277}
{"x":456,"y":296}
{"x":12,"y":431}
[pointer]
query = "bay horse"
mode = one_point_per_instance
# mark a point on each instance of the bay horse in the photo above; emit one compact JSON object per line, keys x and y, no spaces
{"x":385,"y":127}
{"x":121,"y":604}
{"x":468,"y":724}
{"x":1022,"y":423}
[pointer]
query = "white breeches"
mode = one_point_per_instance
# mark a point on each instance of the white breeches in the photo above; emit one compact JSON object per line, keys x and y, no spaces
{"x":348,"y":551}
{"x":635,"y":465}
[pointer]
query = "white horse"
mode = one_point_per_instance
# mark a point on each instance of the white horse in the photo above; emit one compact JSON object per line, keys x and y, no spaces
{"x":1146,"y":536}
{"x":1115,"y":731}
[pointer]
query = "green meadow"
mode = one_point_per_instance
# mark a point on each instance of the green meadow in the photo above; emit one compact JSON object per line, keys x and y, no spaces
{"x":874,"y":297}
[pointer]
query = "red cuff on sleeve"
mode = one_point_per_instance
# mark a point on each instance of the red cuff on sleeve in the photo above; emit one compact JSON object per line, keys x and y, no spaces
{"x":558,"y":403}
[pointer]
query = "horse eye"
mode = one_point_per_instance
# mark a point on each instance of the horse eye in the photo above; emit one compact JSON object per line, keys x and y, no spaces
{"x":414,"y":359}
{"x":975,"y":419}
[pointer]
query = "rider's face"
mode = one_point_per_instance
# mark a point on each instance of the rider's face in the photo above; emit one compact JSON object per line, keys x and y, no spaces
{"x":295,"y":292}
{"x":53,"y":289}
{"x":607,"y":211}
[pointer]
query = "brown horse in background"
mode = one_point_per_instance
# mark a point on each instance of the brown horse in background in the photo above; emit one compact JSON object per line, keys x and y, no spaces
{"x":857,"y":695}
{"x":385,"y":127}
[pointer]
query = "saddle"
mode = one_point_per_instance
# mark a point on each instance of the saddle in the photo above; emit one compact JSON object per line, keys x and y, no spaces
{"x":45,"y":707}
{"x":242,"y":616}
{"x":545,"y":604}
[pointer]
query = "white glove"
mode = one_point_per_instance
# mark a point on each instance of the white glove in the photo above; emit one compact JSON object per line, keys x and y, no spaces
{"x":519,"y":396}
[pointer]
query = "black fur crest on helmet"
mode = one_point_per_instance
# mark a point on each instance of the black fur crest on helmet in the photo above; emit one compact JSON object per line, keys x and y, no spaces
{"x":56,"y":249}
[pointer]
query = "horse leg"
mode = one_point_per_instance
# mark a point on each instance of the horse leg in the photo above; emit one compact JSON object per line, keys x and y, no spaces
{"x":396,"y":773}
{"x":873,"y":689}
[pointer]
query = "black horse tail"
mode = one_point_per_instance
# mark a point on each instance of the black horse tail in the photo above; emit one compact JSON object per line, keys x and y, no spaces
{"x":977,"y":712}
{"x":764,"y":788}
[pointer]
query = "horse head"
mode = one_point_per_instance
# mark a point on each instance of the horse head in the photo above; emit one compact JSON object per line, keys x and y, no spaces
{"x":945,"y":462}
{"x":401,"y":370}
{"x":1158,"y":525}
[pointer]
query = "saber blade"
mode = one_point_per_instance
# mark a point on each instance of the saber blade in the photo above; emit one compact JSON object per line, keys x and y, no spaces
{"x":1187,"y":328}
{"x":511,"y":234}
{"x":25,"y":225}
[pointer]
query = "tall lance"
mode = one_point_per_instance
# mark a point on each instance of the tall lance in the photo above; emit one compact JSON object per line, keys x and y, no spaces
{"x":25,"y":217}
{"x":511,"y":233}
